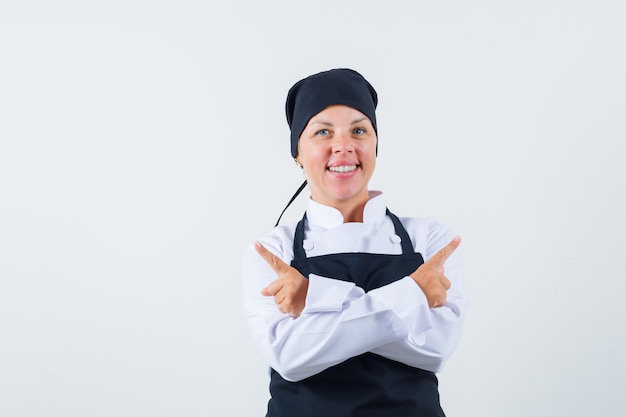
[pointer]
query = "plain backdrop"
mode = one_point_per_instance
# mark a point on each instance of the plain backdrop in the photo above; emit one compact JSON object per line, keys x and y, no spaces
{"x":143,"y":144}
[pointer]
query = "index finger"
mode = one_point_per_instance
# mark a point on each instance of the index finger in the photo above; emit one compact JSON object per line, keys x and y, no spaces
{"x":272,"y":260}
{"x":444,"y":253}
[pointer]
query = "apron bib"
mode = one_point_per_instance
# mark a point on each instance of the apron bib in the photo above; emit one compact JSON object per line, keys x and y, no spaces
{"x":367,"y":385}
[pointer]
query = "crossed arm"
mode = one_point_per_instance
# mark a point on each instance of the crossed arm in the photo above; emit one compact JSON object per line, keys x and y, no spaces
{"x":304,"y":326}
{"x":290,"y":287}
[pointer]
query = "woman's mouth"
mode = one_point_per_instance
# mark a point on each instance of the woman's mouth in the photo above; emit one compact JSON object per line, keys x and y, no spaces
{"x":343,"y":168}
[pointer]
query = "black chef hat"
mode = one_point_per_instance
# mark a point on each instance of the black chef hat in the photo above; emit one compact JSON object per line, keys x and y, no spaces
{"x":314,"y":93}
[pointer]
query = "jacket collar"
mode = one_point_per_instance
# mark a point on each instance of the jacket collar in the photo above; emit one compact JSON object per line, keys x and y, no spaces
{"x":327,"y":217}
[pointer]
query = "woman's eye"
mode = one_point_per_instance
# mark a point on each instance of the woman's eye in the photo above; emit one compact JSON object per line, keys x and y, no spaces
{"x":359,"y":131}
{"x":322,"y":132}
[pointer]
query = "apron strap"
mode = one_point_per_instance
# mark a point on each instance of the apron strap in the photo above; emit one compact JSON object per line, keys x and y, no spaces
{"x":298,"y":238}
{"x":407,"y":245}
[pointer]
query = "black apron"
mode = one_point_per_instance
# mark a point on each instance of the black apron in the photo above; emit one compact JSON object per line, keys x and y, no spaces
{"x":367,"y":385}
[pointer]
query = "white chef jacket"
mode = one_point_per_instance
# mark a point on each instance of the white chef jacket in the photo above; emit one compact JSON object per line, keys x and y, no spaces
{"x":340,"y":320}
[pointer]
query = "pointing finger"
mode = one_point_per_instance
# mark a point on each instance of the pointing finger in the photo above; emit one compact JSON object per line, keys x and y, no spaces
{"x":440,"y":257}
{"x":272,"y":260}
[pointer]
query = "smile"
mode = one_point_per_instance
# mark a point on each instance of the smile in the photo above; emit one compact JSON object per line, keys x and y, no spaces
{"x":344,"y":168}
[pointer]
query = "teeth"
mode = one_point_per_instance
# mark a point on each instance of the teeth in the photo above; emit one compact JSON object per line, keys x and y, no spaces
{"x":342,"y":168}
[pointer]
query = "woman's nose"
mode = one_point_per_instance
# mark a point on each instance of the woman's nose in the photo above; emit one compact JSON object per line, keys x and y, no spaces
{"x":343,"y":143}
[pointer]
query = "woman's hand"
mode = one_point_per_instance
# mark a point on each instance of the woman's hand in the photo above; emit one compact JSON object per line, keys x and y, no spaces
{"x":429,"y":276}
{"x":289,"y":289}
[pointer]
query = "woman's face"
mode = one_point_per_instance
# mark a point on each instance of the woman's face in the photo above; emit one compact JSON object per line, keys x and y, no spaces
{"x":337,"y":150}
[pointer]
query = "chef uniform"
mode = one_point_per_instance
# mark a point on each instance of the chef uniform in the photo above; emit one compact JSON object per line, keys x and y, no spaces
{"x":382,"y":318}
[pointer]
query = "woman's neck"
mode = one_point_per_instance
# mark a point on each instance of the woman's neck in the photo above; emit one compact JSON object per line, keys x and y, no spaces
{"x":352,"y":211}
{"x":353,"y":215}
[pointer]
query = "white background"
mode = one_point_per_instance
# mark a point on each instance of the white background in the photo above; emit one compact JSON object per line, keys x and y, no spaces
{"x":143,"y":144}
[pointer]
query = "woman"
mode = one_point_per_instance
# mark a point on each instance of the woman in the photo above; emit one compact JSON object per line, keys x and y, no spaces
{"x":354,"y":308}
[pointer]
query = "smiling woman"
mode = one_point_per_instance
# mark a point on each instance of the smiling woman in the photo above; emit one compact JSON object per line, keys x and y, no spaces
{"x":354,"y":308}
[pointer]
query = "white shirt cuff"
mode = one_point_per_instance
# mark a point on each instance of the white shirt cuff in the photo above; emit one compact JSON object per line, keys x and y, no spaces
{"x":327,"y":294}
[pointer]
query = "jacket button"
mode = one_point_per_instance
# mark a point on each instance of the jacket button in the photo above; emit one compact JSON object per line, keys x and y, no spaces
{"x":395,"y":239}
{"x":308,"y":244}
